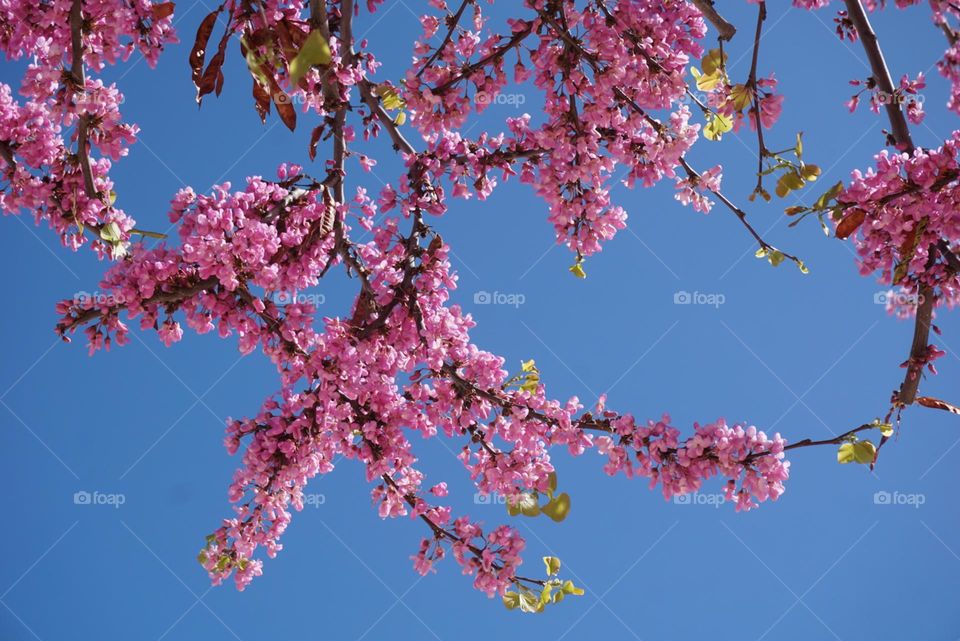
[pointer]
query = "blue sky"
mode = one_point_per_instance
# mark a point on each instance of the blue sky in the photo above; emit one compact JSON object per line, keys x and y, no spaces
{"x":809,"y":356}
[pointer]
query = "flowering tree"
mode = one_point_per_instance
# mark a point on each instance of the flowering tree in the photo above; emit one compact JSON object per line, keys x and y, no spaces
{"x":629,"y":83}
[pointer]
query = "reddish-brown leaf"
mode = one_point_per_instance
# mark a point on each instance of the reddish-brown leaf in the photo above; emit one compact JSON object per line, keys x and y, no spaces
{"x":281,"y":100}
{"x":258,"y":38}
{"x":212,"y":79}
{"x":937,"y":404}
{"x":162,"y":10}
{"x":850,"y":223}
{"x":286,"y":42}
{"x":261,"y":100}
{"x":199,"y":50}
{"x":297,"y":34}
{"x":285,"y":110}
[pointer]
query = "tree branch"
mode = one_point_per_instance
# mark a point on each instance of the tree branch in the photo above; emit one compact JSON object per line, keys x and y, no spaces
{"x":725,"y":30}
{"x":900,"y":131}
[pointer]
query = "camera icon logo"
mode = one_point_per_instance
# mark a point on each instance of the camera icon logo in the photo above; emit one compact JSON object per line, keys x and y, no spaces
{"x":882,"y":498}
{"x":482,"y":298}
{"x":482,"y":499}
{"x":682,"y":499}
{"x":82,"y":498}
{"x":682,"y":298}
{"x":881,"y":298}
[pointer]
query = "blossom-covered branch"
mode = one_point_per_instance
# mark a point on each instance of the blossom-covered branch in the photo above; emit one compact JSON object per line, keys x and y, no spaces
{"x":401,"y":362}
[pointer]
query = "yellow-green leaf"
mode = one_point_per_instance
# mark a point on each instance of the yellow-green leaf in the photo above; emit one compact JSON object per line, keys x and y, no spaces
{"x":530,"y":602}
{"x":717,"y":125}
{"x":828,"y":195}
{"x":558,"y":508}
{"x":569,"y":588}
{"x":713,"y":61}
{"x":810,"y":172}
{"x":577,"y":269}
{"x":741,"y":97}
{"x":315,"y":51}
{"x":553,"y":565}
{"x":788,"y":181}
{"x":862,"y":452}
{"x":110,"y":233}
{"x":511,"y":600}
{"x":705,"y":81}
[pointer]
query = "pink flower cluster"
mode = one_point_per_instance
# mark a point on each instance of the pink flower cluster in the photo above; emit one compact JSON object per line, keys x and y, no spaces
{"x":907,"y":204}
{"x":743,"y":455}
{"x":66,"y":187}
{"x":359,"y":382}
{"x":612,"y":103}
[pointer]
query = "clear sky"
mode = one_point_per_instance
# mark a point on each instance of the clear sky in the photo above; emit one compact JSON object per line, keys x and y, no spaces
{"x":809,"y":356}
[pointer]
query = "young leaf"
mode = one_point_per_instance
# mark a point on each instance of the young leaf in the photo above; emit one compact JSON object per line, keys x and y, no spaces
{"x":110,"y":233}
{"x":530,"y":602}
{"x":569,"y":588}
{"x":828,"y":195}
{"x":511,"y":600}
{"x":741,"y":97}
{"x":713,"y":61}
{"x":552,"y":484}
{"x":315,"y":51}
{"x":789,"y":180}
{"x":558,"y":508}
{"x":862,"y":452}
{"x":810,"y":172}
{"x":706,"y":81}
{"x":717,"y":125}
{"x":553,"y":565}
